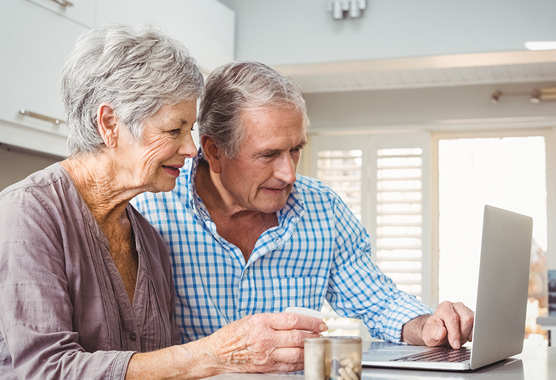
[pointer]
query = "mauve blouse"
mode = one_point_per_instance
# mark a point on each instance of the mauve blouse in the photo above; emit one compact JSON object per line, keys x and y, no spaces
{"x":64,"y":311}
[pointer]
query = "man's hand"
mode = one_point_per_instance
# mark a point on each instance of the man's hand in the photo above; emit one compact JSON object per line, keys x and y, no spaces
{"x":451,"y":324}
{"x":261,"y":343}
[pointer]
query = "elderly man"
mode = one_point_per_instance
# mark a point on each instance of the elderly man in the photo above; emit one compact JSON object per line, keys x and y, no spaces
{"x":247,"y":235}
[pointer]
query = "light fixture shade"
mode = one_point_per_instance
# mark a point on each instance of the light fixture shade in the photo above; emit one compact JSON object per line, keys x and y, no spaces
{"x":535,"y":96}
{"x":342,"y":8}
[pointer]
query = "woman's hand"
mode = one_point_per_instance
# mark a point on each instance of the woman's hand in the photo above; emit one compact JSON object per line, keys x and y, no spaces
{"x":262,"y":343}
{"x":257,"y":343}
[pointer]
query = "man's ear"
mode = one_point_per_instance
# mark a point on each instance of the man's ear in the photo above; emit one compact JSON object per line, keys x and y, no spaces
{"x":212,"y":153}
{"x":107,"y":123}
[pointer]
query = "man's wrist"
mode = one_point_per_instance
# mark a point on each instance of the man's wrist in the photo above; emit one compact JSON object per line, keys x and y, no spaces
{"x":412,"y":331}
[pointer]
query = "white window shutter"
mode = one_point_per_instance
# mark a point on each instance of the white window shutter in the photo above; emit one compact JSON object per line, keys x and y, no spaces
{"x":400,"y":224}
{"x":385,"y":180}
{"x":341,"y":163}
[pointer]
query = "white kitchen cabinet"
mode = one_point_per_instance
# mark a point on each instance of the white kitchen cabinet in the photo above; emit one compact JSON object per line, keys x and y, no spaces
{"x":37,"y":35}
{"x":80,"y":11}
{"x":34,"y":42}
{"x":206,"y":27}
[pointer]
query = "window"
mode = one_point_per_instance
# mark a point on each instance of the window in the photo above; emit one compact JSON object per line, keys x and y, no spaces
{"x":381,"y":179}
{"x":504,"y":171}
{"x":412,"y":215}
{"x":341,"y":170}
{"x":338,"y":162}
{"x":399,"y":219}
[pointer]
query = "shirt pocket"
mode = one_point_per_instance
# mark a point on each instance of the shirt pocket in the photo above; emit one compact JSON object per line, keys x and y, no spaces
{"x":307,"y":292}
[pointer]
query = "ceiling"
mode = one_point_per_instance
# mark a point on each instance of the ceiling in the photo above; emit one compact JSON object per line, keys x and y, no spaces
{"x":437,"y":71}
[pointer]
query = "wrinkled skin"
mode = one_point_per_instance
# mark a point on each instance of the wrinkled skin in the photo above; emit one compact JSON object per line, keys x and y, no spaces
{"x":259,"y":343}
{"x":451,"y":324}
{"x":263,"y":343}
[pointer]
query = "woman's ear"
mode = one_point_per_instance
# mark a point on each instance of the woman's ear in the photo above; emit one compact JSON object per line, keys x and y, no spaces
{"x":107,"y":122}
{"x":212,"y":153}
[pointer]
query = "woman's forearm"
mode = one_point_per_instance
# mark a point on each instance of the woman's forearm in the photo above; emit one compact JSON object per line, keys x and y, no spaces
{"x":188,"y":361}
{"x":257,"y":343}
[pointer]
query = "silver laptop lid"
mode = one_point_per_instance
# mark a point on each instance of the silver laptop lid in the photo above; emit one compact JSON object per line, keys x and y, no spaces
{"x":501,"y":306}
{"x":503,"y":286}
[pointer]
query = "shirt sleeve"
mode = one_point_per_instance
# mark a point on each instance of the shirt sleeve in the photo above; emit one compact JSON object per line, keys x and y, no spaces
{"x":36,"y":336}
{"x":358,"y":288}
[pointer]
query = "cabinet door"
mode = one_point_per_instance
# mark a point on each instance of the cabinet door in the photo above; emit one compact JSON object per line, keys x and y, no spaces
{"x":34,"y":42}
{"x":206,"y":27}
{"x":79,"y":11}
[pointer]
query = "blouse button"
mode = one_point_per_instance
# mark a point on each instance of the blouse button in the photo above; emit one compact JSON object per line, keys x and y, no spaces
{"x":133,"y":336}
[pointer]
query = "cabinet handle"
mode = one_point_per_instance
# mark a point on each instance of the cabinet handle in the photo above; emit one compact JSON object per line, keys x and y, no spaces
{"x":63,"y":3}
{"x":40,"y":116}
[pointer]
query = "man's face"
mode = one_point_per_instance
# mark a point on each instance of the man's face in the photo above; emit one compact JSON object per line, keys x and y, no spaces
{"x":261,"y":177}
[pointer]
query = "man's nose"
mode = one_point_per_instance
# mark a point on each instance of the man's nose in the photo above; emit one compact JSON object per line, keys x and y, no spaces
{"x":285,"y":168}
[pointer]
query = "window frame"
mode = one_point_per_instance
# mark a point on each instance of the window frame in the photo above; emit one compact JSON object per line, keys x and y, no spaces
{"x":369,"y":143}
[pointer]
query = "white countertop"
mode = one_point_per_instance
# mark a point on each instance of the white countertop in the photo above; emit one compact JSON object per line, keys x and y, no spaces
{"x":534,"y":363}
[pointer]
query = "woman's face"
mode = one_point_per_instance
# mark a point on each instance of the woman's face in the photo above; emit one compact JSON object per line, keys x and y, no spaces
{"x":154,"y":163}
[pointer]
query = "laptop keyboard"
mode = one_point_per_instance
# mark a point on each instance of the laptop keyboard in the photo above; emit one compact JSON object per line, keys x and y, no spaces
{"x":442,"y":355}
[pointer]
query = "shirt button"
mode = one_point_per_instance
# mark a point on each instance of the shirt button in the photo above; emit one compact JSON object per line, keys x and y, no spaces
{"x":133,"y":336}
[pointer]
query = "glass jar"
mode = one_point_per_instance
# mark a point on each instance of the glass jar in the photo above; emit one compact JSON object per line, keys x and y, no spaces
{"x":333,"y":358}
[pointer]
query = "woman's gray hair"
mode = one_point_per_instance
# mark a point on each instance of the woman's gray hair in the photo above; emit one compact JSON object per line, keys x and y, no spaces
{"x":239,"y":86}
{"x":135,"y":72}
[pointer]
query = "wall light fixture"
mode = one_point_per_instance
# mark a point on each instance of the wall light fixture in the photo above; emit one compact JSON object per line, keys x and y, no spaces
{"x":346,"y":8}
{"x":535,"y":96}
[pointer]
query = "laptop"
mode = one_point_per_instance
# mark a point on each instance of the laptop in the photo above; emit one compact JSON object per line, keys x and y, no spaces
{"x":499,"y":327}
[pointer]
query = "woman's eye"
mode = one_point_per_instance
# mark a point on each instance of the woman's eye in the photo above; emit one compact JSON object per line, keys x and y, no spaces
{"x":175,"y":132}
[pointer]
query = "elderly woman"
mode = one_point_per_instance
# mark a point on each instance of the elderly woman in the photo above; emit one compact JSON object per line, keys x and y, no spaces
{"x":85,"y":284}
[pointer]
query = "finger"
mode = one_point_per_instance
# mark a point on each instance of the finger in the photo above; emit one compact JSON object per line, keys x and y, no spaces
{"x":451,"y":320}
{"x":467,"y":319}
{"x":292,"y":338}
{"x":434,"y":331}
{"x":279,"y":367}
{"x":290,"y":355}
{"x":458,"y":320}
{"x":294,"y":321}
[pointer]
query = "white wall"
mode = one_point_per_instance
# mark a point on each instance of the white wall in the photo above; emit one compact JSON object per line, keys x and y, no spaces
{"x":290,"y":32}
{"x":429,"y":108}
{"x":303,"y":31}
{"x":206,"y":27}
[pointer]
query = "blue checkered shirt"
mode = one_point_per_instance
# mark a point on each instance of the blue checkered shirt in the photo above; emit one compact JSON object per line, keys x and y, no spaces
{"x":319,"y":251}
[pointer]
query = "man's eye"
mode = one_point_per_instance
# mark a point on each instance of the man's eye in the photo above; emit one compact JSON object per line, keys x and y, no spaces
{"x":175,"y":132}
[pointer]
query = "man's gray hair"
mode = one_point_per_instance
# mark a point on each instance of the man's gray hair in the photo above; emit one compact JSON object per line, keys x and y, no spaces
{"x":239,"y":86}
{"x":135,"y":72}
